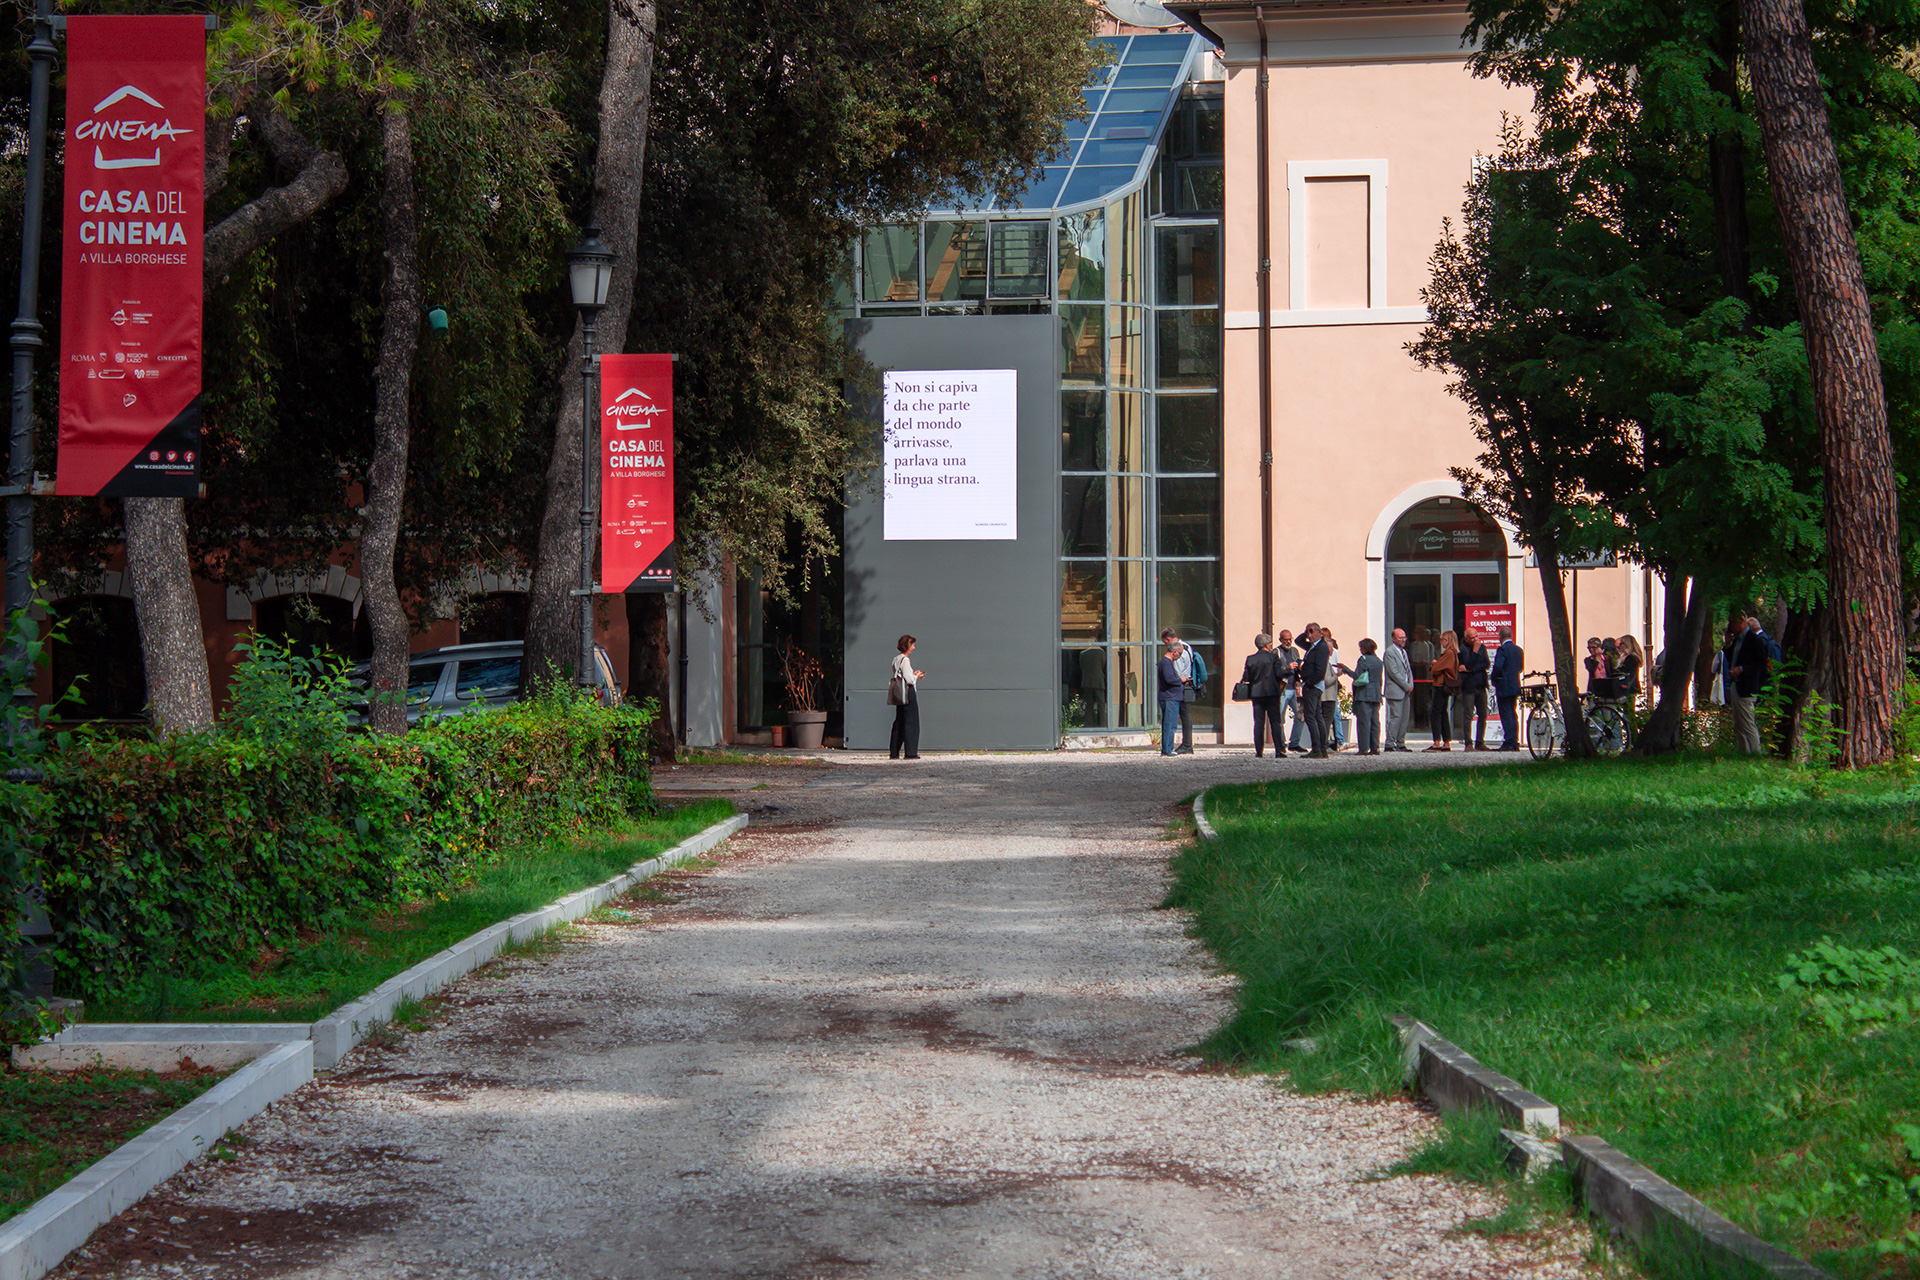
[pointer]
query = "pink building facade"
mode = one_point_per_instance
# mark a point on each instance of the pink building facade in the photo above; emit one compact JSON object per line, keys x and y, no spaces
{"x":1373,"y":125}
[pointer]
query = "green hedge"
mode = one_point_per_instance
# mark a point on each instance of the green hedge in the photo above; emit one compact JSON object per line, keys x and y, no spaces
{"x":201,"y":848}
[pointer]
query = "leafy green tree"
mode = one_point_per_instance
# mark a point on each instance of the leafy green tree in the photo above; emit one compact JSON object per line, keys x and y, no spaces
{"x":776,"y":131}
{"x":1641,"y":108}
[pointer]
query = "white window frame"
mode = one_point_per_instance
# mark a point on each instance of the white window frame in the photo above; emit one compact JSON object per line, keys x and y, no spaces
{"x":1299,"y":173}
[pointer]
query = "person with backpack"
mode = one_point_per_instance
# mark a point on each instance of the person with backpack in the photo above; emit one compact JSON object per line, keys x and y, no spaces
{"x":1192,"y":669}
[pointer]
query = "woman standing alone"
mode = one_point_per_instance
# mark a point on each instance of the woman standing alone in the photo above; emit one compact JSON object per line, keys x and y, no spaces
{"x":903,"y":693}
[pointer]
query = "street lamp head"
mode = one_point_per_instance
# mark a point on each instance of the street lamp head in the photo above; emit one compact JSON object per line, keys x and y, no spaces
{"x":590,"y":271}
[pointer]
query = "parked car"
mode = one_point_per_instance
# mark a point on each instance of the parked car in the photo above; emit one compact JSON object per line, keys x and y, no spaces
{"x":457,"y":679}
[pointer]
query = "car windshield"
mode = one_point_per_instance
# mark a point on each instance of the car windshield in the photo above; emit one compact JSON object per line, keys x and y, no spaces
{"x":422,"y":679}
{"x":487,"y":677}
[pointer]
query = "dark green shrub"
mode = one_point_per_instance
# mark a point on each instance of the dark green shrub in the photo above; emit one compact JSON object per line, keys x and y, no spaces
{"x":205,"y":847}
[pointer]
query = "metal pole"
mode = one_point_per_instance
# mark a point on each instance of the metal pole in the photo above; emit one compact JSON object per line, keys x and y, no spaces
{"x":26,"y":335}
{"x":589,"y":472}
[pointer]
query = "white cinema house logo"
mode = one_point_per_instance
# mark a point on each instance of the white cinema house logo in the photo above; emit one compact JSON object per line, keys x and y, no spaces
{"x":640,"y":414}
{"x":124,"y":202}
{"x":126,"y":131}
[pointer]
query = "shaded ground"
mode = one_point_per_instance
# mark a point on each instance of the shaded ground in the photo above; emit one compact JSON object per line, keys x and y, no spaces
{"x":53,"y":1124}
{"x":921,"y":1020}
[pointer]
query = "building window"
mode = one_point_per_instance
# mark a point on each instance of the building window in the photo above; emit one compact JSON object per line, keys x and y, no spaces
{"x":315,"y":624}
{"x":96,"y":656}
{"x":496,"y":616}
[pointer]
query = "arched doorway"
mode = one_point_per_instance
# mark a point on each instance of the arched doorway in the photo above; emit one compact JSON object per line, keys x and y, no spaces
{"x":1443,"y":554}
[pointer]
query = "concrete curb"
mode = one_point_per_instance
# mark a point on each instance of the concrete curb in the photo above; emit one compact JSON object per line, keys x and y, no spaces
{"x":1662,"y":1219}
{"x":1456,"y":1081}
{"x":35,"y":1242}
{"x":156,"y":1046}
{"x":337,"y":1033}
{"x":1633,"y":1200}
{"x":1200,"y":818}
{"x":1629,"y":1197}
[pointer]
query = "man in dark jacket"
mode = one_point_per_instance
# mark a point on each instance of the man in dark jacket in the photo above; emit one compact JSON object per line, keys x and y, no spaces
{"x":1313,"y":675}
{"x":1749,"y":672}
{"x":1262,"y":679}
{"x":1508,"y":661}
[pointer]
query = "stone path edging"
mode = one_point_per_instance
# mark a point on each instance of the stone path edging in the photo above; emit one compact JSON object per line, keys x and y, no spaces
{"x":1631,"y":1198}
{"x":338,"y":1032}
{"x":35,"y":1241}
{"x":1200,"y":817}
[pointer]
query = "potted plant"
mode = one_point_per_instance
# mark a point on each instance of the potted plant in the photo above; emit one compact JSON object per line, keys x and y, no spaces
{"x":805,"y":719}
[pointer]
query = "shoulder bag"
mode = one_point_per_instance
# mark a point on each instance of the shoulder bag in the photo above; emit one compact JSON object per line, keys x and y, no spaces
{"x":897,"y":691}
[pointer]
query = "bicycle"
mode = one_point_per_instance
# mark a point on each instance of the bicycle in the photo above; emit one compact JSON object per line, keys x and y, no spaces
{"x":1607,"y":724}
{"x":1546,"y":730}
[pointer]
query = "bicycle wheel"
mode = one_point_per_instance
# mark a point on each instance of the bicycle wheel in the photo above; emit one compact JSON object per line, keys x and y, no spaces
{"x":1609,"y":729}
{"x":1543,"y":732}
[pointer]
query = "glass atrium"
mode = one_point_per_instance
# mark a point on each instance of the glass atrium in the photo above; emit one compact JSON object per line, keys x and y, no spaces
{"x":1120,"y":240}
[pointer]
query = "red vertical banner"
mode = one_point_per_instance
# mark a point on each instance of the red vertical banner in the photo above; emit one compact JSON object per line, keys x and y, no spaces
{"x":130,"y":297}
{"x":636,"y":473}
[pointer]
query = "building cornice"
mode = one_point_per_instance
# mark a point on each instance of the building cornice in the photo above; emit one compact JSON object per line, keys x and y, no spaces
{"x":1320,"y":32}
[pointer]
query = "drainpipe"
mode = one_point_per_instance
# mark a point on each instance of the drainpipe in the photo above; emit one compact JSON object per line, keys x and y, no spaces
{"x":1266,"y":331}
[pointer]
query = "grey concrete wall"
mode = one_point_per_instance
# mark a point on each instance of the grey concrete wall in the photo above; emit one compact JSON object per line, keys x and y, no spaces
{"x":987,"y":614}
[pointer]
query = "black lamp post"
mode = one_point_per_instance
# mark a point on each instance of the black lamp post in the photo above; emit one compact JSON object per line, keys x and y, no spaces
{"x":26,"y":336}
{"x":589,"y":273}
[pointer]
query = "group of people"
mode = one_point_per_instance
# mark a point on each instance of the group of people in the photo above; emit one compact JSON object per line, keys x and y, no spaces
{"x":1303,"y":676}
{"x":1613,"y":667}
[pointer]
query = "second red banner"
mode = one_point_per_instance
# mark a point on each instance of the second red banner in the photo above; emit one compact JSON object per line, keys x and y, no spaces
{"x":636,"y":473}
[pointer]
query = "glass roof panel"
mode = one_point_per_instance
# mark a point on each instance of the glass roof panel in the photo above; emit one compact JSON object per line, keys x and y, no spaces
{"x":1134,"y":100}
{"x":1156,"y":74}
{"x":1092,"y":181}
{"x":1125,"y":121}
{"x":1157,"y":49}
{"x":1045,"y":193}
{"x":1127,"y":151}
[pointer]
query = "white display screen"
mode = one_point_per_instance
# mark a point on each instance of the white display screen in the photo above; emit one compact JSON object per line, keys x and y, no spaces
{"x":949,"y":454}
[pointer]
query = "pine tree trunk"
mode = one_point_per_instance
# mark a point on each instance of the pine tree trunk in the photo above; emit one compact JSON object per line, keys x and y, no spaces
{"x":650,"y":664}
{"x":392,"y":422}
{"x":172,"y":642}
{"x":1856,"y":454}
{"x":553,"y":616}
{"x":1686,"y":623}
{"x":1560,"y":628}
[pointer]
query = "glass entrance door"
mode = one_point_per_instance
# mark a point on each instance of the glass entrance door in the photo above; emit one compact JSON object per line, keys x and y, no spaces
{"x":1427,"y":599}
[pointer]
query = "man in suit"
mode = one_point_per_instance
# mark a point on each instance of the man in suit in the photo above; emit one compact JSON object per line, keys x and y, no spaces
{"x":1286,"y":665}
{"x":1749,"y":671}
{"x":1263,"y":688}
{"x":1508,"y":661}
{"x":1313,"y":681}
{"x":1399,"y":690}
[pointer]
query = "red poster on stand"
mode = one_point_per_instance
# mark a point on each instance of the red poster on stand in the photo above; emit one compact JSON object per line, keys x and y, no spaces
{"x":1485,"y":621}
{"x":636,"y":473}
{"x":130,"y":267}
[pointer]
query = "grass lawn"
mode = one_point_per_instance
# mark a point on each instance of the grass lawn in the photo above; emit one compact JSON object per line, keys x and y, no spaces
{"x":1615,"y":936}
{"x":55,"y":1124}
{"x":328,"y":970}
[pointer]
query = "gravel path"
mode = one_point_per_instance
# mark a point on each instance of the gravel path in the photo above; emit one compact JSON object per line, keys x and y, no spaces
{"x":921,"y":1020}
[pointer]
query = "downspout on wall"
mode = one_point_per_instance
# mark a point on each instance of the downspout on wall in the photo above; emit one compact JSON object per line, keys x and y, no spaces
{"x":1264,"y":218}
